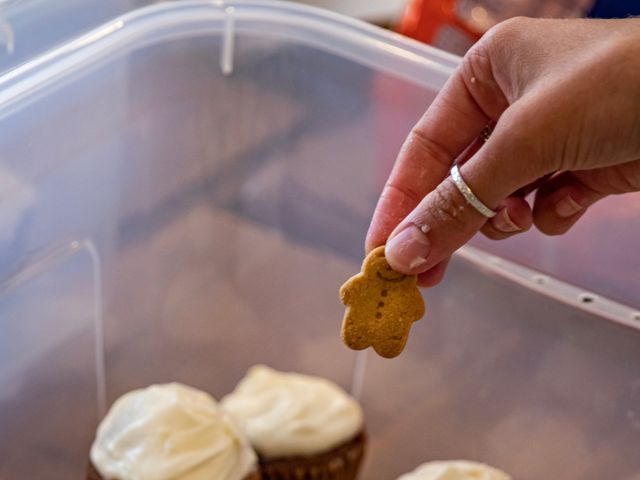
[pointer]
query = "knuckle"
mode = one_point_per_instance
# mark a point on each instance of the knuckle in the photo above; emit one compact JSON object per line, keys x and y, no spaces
{"x":449,"y":208}
{"x":477,"y":61}
{"x":506,"y":32}
{"x":503,"y":43}
{"x":400,"y":195}
{"x":481,"y":71}
{"x":431,"y":148}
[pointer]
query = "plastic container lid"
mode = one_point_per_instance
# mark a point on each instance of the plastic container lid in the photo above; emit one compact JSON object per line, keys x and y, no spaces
{"x":30,"y":27}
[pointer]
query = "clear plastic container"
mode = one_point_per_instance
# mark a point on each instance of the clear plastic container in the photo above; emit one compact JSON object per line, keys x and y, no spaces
{"x":31,"y":27}
{"x":189,"y":185}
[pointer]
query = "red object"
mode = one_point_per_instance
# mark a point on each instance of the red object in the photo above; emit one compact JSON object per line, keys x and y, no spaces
{"x":423,"y":20}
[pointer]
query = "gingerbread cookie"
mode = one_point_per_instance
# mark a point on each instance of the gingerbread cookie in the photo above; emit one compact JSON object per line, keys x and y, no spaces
{"x":382,"y":304}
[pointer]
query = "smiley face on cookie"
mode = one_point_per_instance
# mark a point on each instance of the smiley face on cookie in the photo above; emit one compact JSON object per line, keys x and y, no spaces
{"x":382,"y":304}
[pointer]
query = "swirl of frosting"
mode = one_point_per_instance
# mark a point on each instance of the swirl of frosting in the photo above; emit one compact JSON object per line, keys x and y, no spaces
{"x":455,"y":470}
{"x":170,"y":431}
{"x":288,"y":414}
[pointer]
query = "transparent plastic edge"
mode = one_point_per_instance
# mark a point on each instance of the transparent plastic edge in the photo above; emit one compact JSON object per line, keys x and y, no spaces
{"x":353,"y":24}
{"x":349,"y":38}
{"x":563,"y":292}
{"x":40,"y":262}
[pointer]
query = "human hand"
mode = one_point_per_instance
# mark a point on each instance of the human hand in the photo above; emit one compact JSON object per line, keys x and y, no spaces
{"x":564,"y":96}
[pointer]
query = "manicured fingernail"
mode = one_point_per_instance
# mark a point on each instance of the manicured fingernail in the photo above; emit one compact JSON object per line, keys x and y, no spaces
{"x":408,"y":250}
{"x":503,"y":222}
{"x":567,"y":207}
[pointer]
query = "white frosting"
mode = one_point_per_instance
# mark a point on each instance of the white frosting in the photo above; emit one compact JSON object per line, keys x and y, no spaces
{"x":288,"y":414}
{"x":455,"y":470}
{"x":172,"y":432}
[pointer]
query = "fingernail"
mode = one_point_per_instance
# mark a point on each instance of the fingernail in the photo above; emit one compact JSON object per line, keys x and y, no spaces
{"x":567,"y":207}
{"x":408,"y":250}
{"x":503,"y":222}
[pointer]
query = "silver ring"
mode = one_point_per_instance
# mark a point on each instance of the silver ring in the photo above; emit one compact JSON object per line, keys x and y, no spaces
{"x":469,"y":195}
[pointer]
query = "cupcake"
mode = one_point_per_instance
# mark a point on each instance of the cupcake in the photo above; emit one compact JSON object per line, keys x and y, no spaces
{"x":302,"y":427}
{"x":455,"y":470}
{"x":170,"y":432}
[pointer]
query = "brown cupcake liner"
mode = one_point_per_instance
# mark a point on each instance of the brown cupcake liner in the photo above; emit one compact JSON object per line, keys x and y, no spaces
{"x":92,"y":474}
{"x":340,"y":463}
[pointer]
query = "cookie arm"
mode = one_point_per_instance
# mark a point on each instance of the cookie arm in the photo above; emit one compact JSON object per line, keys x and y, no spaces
{"x":349,"y":290}
{"x":419,"y":306}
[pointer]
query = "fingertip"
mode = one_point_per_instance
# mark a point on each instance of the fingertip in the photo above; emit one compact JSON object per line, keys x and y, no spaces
{"x":519,"y":212}
{"x":408,"y":249}
{"x":370,"y":244}
{"x":557,"y":209}
{"x":489,"y":231}
{"x":567,"y":207}
{"x":373,"y":238}
{"x":393,"y":206}
{"x":514,"y":216}
{"x":551,"y":224}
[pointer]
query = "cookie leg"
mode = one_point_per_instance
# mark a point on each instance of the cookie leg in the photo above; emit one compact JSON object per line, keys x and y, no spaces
{"x":355,"y":332}
{"x":392,"y":345}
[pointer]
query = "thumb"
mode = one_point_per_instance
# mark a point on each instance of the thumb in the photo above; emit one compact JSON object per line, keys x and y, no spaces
{"x":443,"y":221}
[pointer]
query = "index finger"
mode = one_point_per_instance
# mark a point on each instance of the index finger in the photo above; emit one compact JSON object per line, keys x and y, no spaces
{"x":466,"y":104}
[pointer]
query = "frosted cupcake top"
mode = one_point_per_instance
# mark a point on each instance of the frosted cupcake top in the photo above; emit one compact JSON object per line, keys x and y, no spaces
{"x":288,"y":414}
{"x":455,"y":470}
{"x":172,"y":432}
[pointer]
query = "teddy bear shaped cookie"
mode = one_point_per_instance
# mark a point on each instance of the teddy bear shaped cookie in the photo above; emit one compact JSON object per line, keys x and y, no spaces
{"x":382,"y":304}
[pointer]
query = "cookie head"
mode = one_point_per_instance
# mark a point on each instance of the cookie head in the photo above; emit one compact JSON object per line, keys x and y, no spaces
{"x":376,"y":265}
